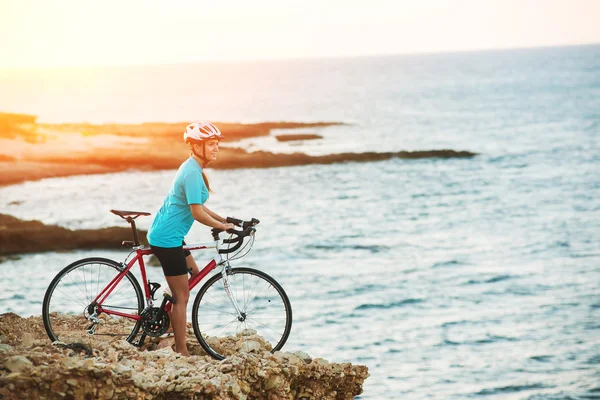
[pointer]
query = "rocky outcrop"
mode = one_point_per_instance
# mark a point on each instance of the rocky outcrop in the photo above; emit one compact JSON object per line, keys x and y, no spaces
{"x":299,"y":136}
{"x":95,"y":162}
{"x":238,"y":158}
{"x":25,"y":127}
{"x":48,"y":154}
{"x":18,"y":236}
{"x":234,"y":158}
{"x":32,"y":367}
{"x":18,"y":126}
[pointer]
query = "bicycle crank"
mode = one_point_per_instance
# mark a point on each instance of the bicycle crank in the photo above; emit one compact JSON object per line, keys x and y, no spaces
{"x":155,"y":322}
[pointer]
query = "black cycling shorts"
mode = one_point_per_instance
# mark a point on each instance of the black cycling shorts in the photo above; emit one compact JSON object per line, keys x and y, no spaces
{"x":172,"y":259}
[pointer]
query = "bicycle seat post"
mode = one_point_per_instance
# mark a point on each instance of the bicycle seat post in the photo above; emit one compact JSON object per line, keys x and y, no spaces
{"x":134,"y":229}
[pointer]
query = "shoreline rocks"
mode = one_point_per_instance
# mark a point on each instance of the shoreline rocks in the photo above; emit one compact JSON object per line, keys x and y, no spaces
{"x":20,"y":237}
{"x":32,"y":367}
{"x":299,"y":136}
{"x":265,"y":159}
{"x":51,"y":166}
{"x":32,"y":151}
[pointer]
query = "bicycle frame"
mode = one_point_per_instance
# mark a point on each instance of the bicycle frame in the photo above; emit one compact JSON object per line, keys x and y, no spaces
{"x":140,"y":252}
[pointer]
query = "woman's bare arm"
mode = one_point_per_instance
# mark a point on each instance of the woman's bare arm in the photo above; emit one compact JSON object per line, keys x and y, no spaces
{"x":214,"y":214}
{"x":199,"y":213}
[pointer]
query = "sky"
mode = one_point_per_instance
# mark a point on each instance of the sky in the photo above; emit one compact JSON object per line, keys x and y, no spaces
{"x":64,"y":33}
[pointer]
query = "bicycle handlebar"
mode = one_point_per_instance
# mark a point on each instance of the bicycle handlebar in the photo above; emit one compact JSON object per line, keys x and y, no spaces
{"x":243,"y":224}
{"x":240,"y":235}
{"x":248,"y":229}
{"x":235,"y":221}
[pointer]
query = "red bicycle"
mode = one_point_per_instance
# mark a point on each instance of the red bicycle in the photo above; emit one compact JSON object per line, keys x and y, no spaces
{"x":100,"y":297}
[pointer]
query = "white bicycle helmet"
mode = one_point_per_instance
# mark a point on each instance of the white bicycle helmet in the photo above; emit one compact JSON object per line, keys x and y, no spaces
{"x":200,"y":131}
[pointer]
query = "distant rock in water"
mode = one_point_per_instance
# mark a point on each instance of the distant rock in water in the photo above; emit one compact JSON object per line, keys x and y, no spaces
{"x":18,"y":236}
{"x":238,"y":158}
{"x":306,"y":136}
{"x":121,"y":152}
{"x":171,"y":157}
{"x":31,"y":368}
{"x":4,"y":157}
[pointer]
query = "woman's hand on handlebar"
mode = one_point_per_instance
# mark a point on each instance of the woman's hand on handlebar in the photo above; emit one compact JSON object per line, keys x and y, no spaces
{"x":227,"y":226}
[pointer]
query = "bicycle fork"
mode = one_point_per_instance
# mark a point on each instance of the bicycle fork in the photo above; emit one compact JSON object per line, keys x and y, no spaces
{"x":241,"y":316}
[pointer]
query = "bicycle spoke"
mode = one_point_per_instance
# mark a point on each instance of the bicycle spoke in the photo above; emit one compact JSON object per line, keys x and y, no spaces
{"x":264,"y":325}
{"x":77,"y":301}
{"x":76,"y":285}
{"x":84,"y":283}
{"x":98,"y":282}
{"x":221,"y":328}
{"x":262,"y":307}
{"x":223,"y":308}
{"x":247,"y":299}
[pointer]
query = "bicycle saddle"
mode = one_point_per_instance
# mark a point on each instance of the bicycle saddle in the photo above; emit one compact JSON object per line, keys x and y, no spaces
{"x":134,"y":214}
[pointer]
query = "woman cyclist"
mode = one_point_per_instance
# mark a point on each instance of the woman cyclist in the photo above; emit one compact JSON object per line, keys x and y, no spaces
{"x":184,"y":204}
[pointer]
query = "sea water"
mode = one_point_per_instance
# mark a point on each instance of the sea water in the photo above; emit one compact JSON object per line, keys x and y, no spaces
{"x":448,"y":278}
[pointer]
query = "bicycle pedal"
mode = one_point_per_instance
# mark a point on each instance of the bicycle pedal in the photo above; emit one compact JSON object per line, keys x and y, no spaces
{"x":168,"y":297}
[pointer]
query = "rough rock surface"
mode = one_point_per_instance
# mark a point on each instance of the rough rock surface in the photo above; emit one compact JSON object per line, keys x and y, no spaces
{"x":32,"y":367}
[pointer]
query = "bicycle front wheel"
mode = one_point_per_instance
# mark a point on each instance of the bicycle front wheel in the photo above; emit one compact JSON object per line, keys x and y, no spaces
{"x":265,"y":311}
{"x":68,"y":303}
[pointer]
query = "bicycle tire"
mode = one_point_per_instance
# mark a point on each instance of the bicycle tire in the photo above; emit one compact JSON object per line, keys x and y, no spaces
{"x":65,"y":307}
{"x":215,"y":321}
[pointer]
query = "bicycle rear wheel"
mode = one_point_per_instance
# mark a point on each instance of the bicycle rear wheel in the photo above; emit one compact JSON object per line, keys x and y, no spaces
{"x":66,"y":308}
{"x":266,"y":312}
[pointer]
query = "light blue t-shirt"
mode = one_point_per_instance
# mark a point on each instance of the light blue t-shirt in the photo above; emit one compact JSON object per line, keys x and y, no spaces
{"x":174,"y":219}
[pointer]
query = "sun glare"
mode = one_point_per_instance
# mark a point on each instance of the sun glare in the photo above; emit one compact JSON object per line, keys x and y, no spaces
{"x":135,"y":32}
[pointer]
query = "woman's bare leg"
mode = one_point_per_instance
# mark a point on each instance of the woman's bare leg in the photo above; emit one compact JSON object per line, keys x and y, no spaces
{"x":191,"y":264}
{"x":181,"y":294}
